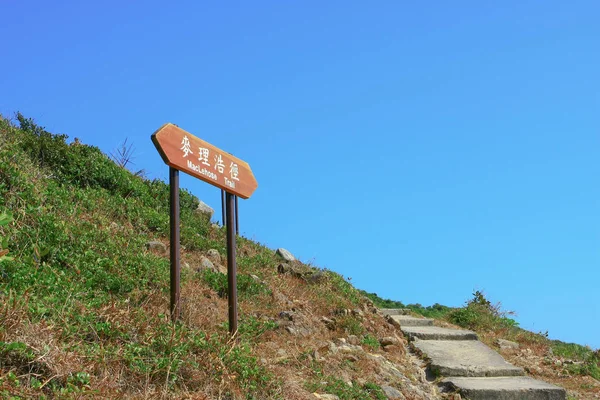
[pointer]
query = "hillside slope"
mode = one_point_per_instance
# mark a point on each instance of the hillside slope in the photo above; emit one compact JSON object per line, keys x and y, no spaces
{"x":84,"y":300}
{"x":84,"y":296}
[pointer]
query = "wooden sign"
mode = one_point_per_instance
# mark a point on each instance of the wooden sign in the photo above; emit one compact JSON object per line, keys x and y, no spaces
{"x":185,"y":152}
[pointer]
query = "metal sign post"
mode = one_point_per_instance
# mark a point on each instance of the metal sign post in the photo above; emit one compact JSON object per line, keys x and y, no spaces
{"x":231,"y":263}
{"x":175,"y":242}
{"x":182,"y":151}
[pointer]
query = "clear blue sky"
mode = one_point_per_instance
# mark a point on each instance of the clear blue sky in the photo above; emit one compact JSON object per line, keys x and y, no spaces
{"x":423,"y":150}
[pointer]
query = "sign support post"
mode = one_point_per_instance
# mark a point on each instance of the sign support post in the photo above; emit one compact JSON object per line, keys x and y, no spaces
{"x":237,"y":220}
{"x":231,"y":263}
{"x":175,"y":242}
{"x":223,"y":207}
{"x":182,"y":151}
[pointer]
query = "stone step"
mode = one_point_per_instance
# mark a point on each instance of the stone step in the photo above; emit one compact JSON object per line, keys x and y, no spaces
{"x":437,"y":333}
{"x":505,"y":388}
{"x":407,"y":320}
{"x":464,"y":358}
{"x":395,"y":311}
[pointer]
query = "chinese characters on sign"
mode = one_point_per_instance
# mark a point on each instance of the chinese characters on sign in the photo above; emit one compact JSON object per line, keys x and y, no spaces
{"x":185,"y":152}
{"x":219,"y":166}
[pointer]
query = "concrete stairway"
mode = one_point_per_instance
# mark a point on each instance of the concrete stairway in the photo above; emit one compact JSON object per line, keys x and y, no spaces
{"x":468,"y":365}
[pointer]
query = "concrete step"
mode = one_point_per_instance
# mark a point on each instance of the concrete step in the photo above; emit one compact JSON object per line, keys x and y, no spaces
{"x":469,"y":358}
{"x":437,"y":333}
{"x":505,"y":388}
{"x":395,"y":311}
{"x":407,"y":320}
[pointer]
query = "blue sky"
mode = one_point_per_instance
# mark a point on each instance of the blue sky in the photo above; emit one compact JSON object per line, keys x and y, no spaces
{"x":425,"y":151}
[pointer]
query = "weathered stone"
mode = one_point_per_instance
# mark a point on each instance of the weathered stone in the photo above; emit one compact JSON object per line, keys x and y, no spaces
{"x":395,"y":311}
{"x":286,"y":315}
{"x":392,"y":393}
{"x":155,"y":245}
{"x":329,"y":323}
{"x":214,"y":255}
{"x":392,"y":348}
{"x":353,"y":339}
{"x":437,"y":333}
{"x":298,"y":330}
{"x":215,"y":226}
{"x":358,"y":313}
{"x":350,"y":348}
{"x":506,"y":388}
{"x":326,"y":396}
{"x":388,"y":340}
{"x":205,"y":209}
{"x":205,"y":263}
{"x":507,"y":344}
{"x":392,"y":321}
{"x":465,"y":358}
{"x":351,"y":357}
{"x":291,"y":330}
{"x":285,"y":254}
{"x":315,"y":277}
{"x":407,"y":320}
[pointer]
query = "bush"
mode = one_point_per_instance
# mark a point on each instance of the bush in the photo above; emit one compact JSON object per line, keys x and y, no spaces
{"x":480,"y":314}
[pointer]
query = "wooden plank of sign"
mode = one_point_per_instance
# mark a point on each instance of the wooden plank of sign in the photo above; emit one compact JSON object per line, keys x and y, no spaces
{"x":181,"y":150}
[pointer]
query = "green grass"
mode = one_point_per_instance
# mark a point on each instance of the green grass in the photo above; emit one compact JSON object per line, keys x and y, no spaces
{"x":586,"y":361}
{"x":332,"y":385}
{"x":76,"y":225}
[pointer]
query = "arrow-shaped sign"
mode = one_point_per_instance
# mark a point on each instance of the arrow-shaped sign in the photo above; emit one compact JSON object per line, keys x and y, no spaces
{"x":185,"y":152}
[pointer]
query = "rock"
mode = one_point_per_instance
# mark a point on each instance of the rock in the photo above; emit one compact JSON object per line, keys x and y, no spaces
{"x":507,"y":344}
{"x":392,"y":348}
{"x":286,"y":255}
{"x":329,"y":323}
{"x":350,"y":348}
{"x":205,"y":209}
{"x":315,"y":355}
{"x":205,"y":263}
{"x":298,"y":330}
{"x":215,"y":226}
{"x":392,"y":393}
{"x":316,"y":277}
{"x":332,"y":347}
{"x":326,"y":396}
{"x":255,"y":278}
{"x":288,"y":315}
{"x":353,"y":339}
{"x":358,"y":313}
{"x":447,"y":358}
{"x":388,"y":340}
{"x":351,"y":357}
{"x":221,"y":268}
{"x":156,"y":246}
{"x":214,"y":255}
{"x":392,"y":321}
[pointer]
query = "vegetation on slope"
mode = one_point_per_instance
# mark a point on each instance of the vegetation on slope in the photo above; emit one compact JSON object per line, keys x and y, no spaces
{"x":551,"y":360}
{"x":84,"y":302}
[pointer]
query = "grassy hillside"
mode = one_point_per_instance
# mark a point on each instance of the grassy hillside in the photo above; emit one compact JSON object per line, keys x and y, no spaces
{"x":84,"y":302}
